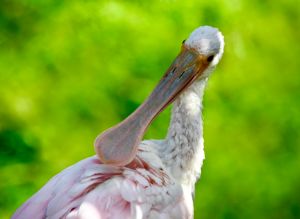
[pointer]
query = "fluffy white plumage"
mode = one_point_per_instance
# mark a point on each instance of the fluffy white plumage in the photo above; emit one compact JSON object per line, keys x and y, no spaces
{"x":159,"y":182}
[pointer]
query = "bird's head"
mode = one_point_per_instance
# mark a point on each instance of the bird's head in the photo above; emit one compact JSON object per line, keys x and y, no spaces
{"x":199,"y":54}
{"x":208,"y":43}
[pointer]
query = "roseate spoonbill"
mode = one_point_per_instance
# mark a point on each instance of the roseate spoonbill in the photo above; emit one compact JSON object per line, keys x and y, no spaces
{"x":149,"y":179}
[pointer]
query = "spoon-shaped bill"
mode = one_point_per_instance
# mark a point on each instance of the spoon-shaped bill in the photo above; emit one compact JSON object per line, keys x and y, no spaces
{"x":118,"y":145}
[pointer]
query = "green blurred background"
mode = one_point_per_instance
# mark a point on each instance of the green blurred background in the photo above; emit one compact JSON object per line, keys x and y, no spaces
{"x":71,"y":69}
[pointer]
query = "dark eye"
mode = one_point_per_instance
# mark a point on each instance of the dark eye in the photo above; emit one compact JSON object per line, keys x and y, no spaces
{"x":210,"y":58}
{"x":183,"y":41}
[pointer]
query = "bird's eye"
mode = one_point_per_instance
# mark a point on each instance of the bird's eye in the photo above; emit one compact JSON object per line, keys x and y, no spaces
{"x":210,"y":58}
{"x":183,"y":41}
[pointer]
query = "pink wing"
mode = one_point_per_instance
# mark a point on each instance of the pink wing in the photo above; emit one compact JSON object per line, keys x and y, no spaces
{"x":91,"y":190}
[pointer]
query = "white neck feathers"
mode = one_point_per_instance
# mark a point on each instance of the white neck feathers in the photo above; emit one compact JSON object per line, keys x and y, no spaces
{"x":184,"y":154}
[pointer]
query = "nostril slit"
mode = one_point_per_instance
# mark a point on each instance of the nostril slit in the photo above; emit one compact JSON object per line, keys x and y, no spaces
{"x":172,"y":72}
{"x":180,"y":76}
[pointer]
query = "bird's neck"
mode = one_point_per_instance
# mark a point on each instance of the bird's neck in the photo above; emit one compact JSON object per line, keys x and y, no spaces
{"x":184,"y":152}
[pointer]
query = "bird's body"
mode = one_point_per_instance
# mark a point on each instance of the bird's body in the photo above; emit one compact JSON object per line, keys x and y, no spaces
{"x":91,"y":190}
{"x":158,"y":183}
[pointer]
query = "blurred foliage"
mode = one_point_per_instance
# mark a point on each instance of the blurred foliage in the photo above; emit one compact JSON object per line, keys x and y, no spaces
{"x":71,"y":69}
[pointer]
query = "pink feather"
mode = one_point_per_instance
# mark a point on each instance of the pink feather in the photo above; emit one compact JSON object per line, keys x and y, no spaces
{"x":91,"y":190}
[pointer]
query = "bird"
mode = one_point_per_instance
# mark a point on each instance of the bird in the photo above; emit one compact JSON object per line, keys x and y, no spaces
{"x":155,"y":179}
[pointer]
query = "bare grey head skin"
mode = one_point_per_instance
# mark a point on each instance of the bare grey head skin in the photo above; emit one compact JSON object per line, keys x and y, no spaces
{"x":208,"y":42}
{"x":199,"y":55}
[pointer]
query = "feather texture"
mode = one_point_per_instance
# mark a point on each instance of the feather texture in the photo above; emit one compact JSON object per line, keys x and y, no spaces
{"x":91,"y":190}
